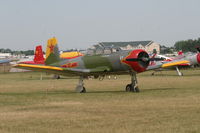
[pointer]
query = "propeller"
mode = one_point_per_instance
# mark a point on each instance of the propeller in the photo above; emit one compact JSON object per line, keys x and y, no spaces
{"x":144,"y":59}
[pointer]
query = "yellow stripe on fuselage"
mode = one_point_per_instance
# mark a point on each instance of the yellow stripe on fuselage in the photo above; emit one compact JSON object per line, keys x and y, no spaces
{"x":175,"y":63}
{"x":40,"y":67}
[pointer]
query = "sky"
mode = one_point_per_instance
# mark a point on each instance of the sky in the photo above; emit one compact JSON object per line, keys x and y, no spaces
{"x":82,"y":23}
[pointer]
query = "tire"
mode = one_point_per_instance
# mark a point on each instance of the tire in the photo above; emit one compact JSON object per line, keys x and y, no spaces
{"x":137,"y":89}
{"x":128,"y":88}
{"x":84,"y":90}
{"x":55,"y":76}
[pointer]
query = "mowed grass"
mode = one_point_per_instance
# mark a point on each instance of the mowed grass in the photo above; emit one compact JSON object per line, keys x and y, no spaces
{"x":167,"y":103}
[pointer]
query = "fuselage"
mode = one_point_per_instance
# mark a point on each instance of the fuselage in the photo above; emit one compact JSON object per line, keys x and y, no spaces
{"x":109,"y":63}
{"x":112,"y":62}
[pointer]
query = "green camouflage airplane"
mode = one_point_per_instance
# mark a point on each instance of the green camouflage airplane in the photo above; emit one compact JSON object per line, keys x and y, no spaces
{"x":116,"y":63}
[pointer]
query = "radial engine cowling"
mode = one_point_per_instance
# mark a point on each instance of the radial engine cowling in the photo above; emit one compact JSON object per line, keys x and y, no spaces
{"x":138,"y":60}
{"x":198,"y":58}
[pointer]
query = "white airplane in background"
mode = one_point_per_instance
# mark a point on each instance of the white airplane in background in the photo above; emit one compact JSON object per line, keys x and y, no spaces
{"x":155,"y":64}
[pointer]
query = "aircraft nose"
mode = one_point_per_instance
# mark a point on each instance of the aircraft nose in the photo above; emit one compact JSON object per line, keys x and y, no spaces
{"x":198,"y":58}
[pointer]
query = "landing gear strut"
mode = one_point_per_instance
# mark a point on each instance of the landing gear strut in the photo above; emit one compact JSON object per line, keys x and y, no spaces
{"x":178,"y":71}
{"x":80,"y":88}
{"x":133,"y":87}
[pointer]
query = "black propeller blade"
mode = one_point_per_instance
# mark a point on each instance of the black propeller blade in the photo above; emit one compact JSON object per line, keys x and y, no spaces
{"x":133,"y":59}
{"x":157,"y":59}
{"x":144,"y":59}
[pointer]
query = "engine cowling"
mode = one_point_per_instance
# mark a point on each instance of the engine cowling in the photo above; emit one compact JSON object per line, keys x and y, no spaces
{"x":141,"y":64}
{"x":198,"y":58}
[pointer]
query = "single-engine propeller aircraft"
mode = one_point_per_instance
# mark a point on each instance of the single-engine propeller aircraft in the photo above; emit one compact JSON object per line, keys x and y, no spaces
{"x":191,"y":57}
{"x":116,"y":63}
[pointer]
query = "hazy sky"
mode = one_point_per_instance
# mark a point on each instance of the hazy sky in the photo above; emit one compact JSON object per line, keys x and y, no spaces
{"x":81,"y":23}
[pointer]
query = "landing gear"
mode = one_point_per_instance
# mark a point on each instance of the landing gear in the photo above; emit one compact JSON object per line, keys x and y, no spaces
{"x":178,"y":72}
{"x":80,"y":88}
{"x":153,"y":73}
{"x":133,"y":87}
{"x":55,"y":76}
{"x":130,"y":88}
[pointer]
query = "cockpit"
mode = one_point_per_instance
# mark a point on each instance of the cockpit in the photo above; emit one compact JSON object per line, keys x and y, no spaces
{"x":102,"y":50}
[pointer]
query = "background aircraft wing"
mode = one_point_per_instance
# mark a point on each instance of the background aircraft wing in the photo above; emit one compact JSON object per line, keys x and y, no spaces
{"x":4,"y":61}
{"x":175,"y":63}
{"x":167,"y":64}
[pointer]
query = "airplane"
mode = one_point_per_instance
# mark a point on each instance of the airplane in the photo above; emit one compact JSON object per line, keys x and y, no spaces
{"x":116,"y":63}
{"x":154,"y":64}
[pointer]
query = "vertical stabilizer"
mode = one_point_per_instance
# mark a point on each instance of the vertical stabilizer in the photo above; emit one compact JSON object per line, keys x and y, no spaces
{"x":39,"y":58}
{"x":180,"y":53}
{"x":52,"y":52}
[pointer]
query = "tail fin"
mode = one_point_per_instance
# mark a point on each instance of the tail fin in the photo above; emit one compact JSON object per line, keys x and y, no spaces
{"x":52,"y":52}
{"x":180,"y":53}
{"x":39,"y":58}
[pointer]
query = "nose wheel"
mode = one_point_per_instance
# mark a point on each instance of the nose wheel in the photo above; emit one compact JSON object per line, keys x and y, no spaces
{"x":133,"y":87}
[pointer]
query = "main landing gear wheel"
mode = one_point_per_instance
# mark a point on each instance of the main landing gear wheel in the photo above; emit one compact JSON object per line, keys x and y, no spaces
{"x":80,"y":89}
{"x":84,"y":90}
{"x":137,"y":89}
{"x":130,"y":88}
{"x":133,"y":87}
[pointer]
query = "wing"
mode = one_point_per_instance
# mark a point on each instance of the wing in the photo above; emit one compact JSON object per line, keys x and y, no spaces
{"x":61,"y":70}
{"x":175,"y":63}
{"x":160,"y":64}
{"x":4,"y":61}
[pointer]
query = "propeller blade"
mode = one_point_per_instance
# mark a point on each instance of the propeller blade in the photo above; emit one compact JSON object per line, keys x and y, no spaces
{"x":133,"y":59}
{"x":156,"y":59}
{"x":144,"y":59}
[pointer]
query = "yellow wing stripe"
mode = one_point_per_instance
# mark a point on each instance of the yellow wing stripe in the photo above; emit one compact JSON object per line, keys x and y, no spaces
{"x":37,"y":66}
{"x":175,"y":63}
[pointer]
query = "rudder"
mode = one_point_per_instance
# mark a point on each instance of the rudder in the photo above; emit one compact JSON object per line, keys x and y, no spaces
{"x":39,"y":58}
{"x":52,"y":52}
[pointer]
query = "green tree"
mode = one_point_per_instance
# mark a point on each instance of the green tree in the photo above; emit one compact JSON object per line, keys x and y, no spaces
{"x":187,"y":45}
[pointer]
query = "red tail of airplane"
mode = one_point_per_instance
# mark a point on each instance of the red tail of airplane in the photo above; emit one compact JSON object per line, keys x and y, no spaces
{"x":180,"y":53}
{"x":38,"y":58}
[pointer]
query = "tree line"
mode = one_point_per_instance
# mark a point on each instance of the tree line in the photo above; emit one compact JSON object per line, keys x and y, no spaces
{"x":26,"y":52}
{"x":187,"y":45}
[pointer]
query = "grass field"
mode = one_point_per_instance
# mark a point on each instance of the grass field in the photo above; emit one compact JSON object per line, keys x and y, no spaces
{"x":166,"y":104}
